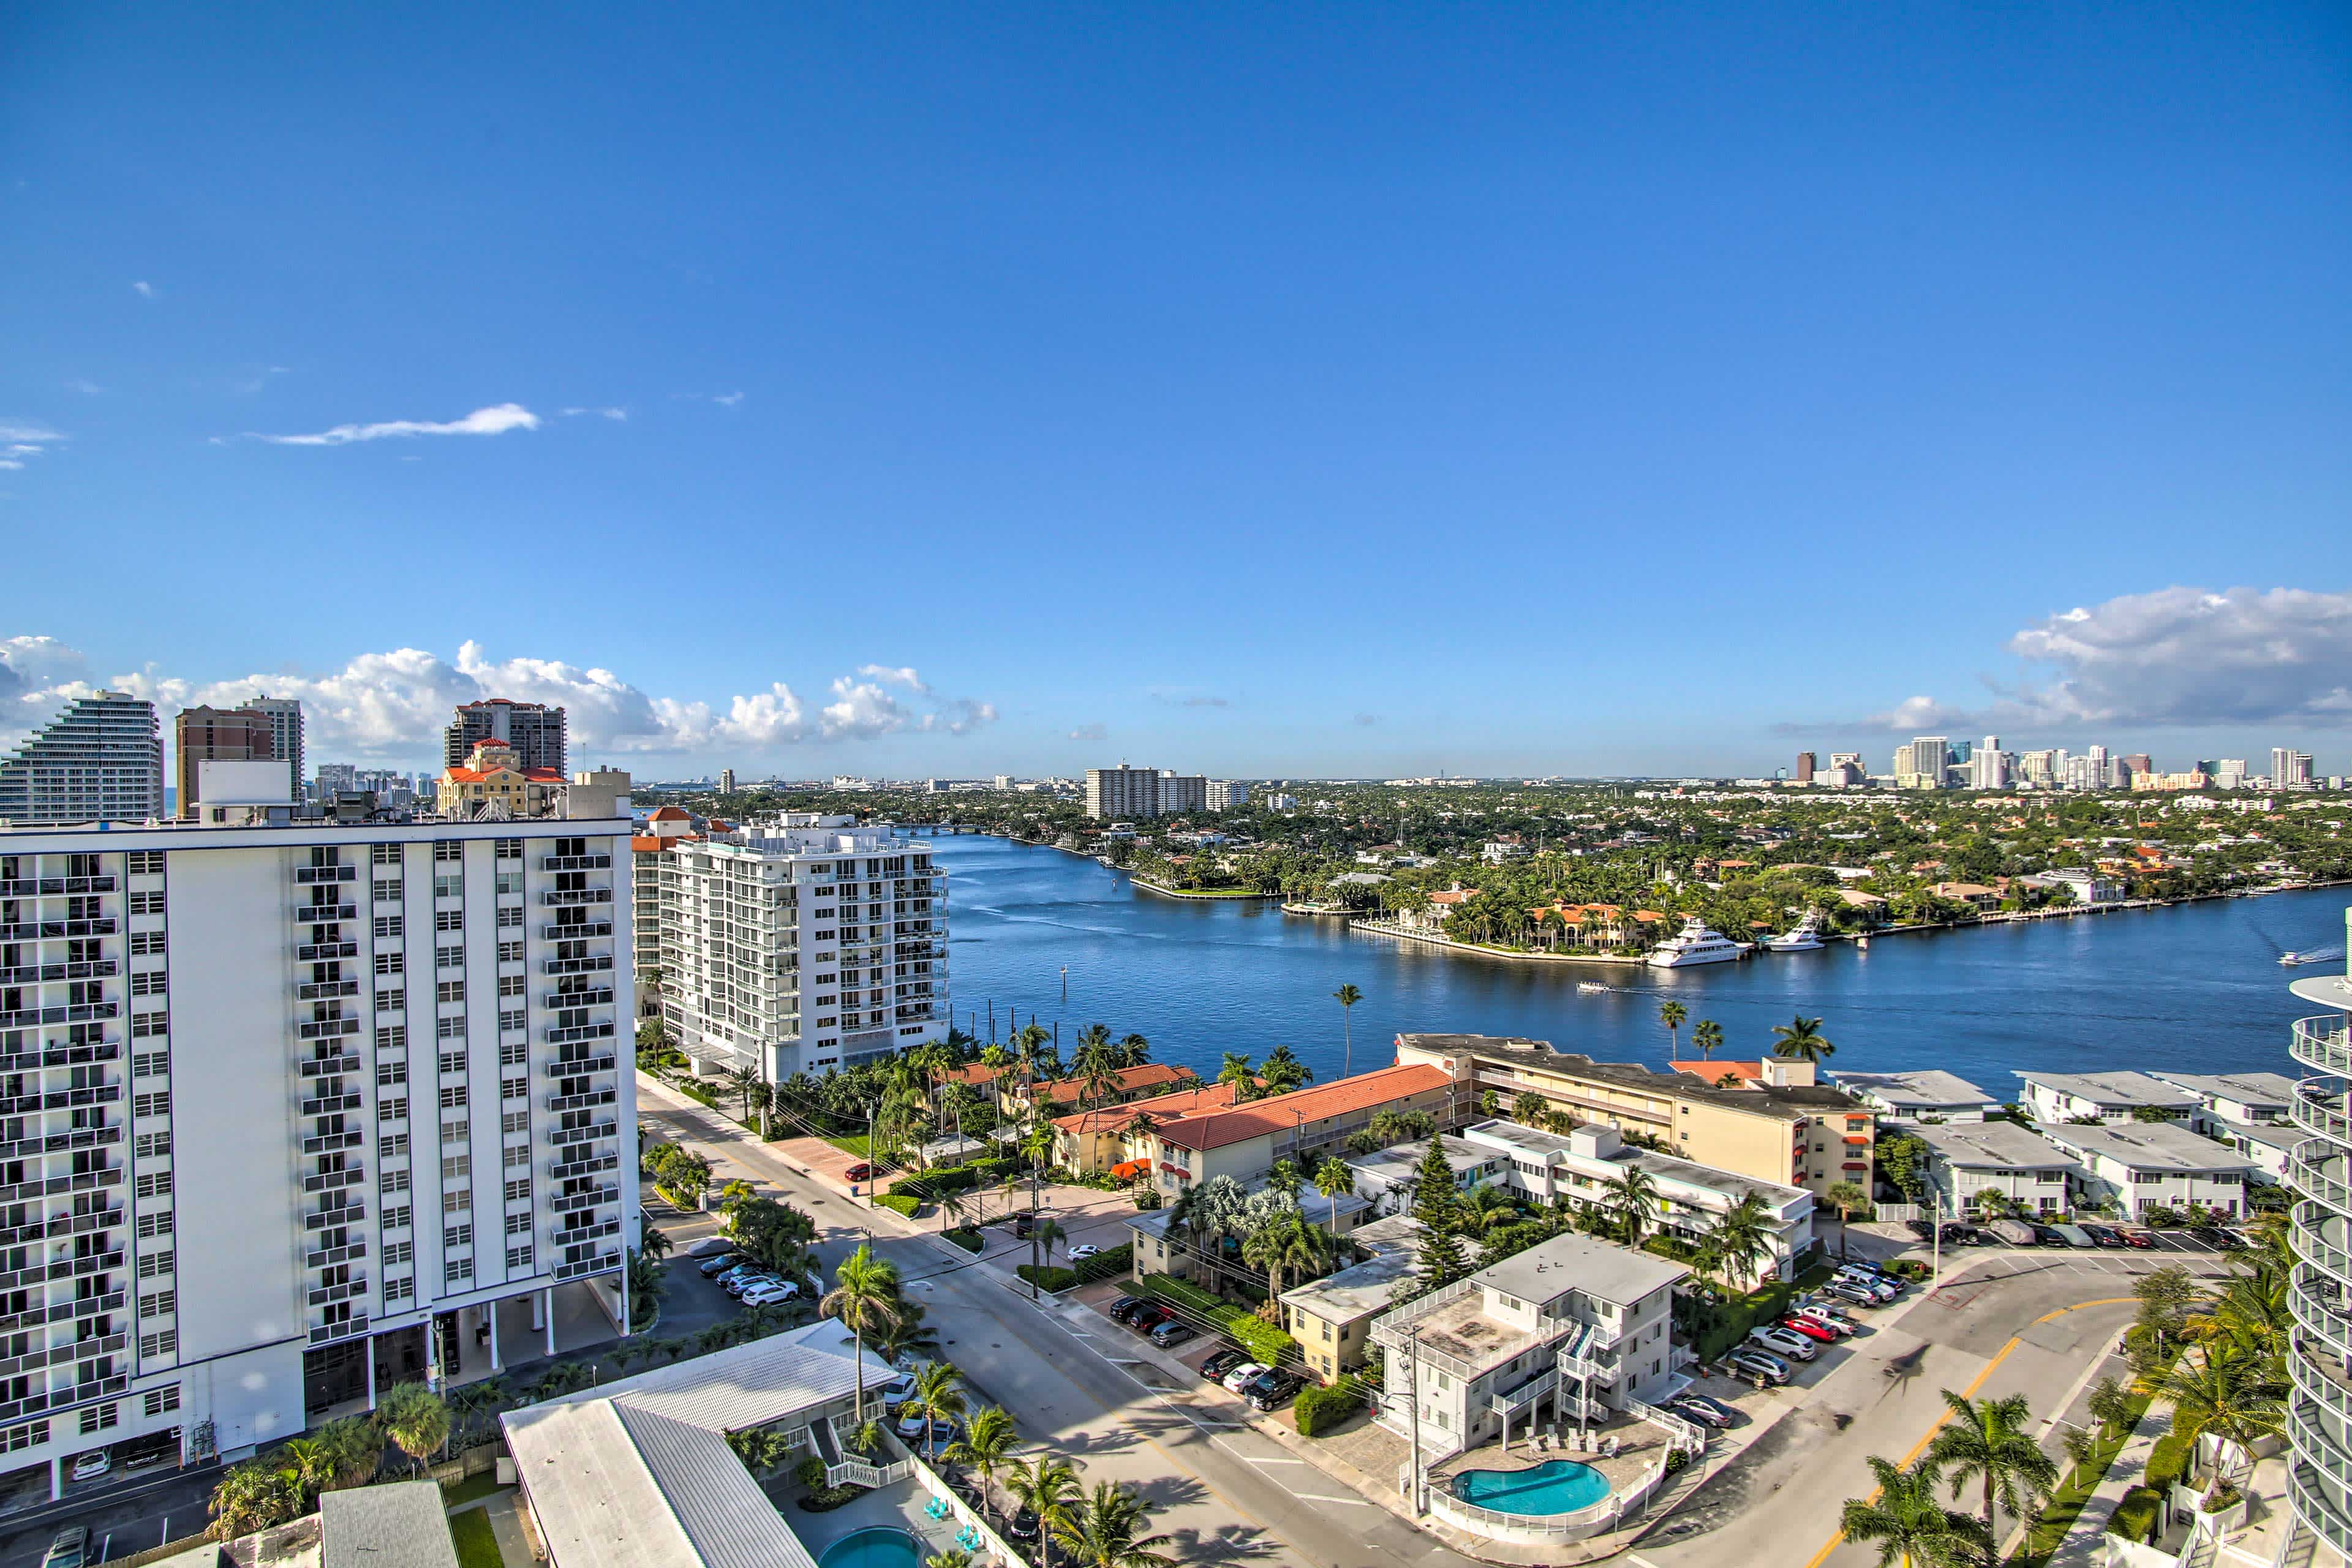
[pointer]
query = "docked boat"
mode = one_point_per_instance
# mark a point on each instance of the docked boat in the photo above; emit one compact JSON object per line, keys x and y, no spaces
{"x":1691,"y":945}
{"x":1805,"y":937}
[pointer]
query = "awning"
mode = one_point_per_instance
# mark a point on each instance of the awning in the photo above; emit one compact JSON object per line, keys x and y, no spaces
{"x":1852,"y":1138}
{"x":1126,"y":1168}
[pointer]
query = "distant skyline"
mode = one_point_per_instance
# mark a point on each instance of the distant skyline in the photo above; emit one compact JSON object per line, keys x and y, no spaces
{"x":1291,"y":393}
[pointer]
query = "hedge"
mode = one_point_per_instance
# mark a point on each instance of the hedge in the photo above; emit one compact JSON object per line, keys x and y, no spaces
{"x":1319,"y":1410}
{"x":1053,"y":1279}
{"x":899,"y":1203}
{"x":967,"y":1239}
{"x":943,"y":1181}
{"x":2136,"y":1514}
{"x":1262,"y":1341}
{"x":1103,"y":1265}
{"x":2169,"y":1460}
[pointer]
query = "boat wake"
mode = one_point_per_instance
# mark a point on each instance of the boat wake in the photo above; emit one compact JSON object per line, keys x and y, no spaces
{"x":2297,"y":960}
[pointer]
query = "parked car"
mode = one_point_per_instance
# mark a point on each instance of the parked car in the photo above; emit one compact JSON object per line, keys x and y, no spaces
{"x":736,"y":1270}
{"x":1923,"y":1229}
{"x":1835,"y":1318}
{"x":1123,"y":1308}
{"x":1241,"y":1374}
{"x":1783,"y":1341}
{"x":1699,"y":1407}
{"x":2227,"y":1241}
{"x":2048,"y":1236}
{"x":710,"y":1246}
{"x":2138,"y":1238}
{"x":771,"y":1293}
{"x":1024,"y":1525}
{"x":711,"y":1267}
{"x":1876,"y":1288}
{"x":911,"y":1428}
{"x":1958,"y":1235}
{"x":2102,"y":1236}
{"x":1847,"y":1291}
{"x":69,"y":1549}
{"x":91,"y":1466}
{"x":1214,"y":1370}
{"x":860,"y":1171}
{"x":1084,"y":1251}
{"x":1811,"y":1327}
{"x":1170,"y":1332}
{"x":895,"y":1395}
{"x":1147,"y":1317}
{"x":736,"y":1284}
{"x":1757,"y":1367}
{"x":1269,"y":1390}
{"x":1869,"y":1275}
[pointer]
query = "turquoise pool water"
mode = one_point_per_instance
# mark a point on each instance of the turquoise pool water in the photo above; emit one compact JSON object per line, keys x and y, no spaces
{"x":1556,"y":1486}
{"x":875,"y":1548}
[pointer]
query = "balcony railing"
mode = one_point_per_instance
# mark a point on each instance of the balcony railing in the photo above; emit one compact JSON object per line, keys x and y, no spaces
{"x":36,"y":973}
{"x":328,"y":1142}
{"x":349,"y":1327}
{"x":34,"y":1017}
{"x":49,"y":930}
{"x":560,"y":898}
{"x":327,"y":1066}
{"x":325,"y":990}
{"x":326,"y":1295}
{"x":53,"y":886}
{"x":584,"y":1102}
{"x":598,"y":862}
{"x":328,"y":1256}
{"x":327,"y":1028}
{"x":61,"y":1056}
{"x":322,"y":914}
{"x":326,"y":874}
{"x":570,"y":1035}
{"x":578,"y":1066}
{"x":587,"y":932}
{"x":313,"y":952}
{"x":599,"y":1264}
{"x":594,"y":963}
{"x":350,"y":1212}
{"x":328,"y":1181}
{"x":564,"y":1137}
{"x":329,"y":1104}
{"x":601,"y":997}
{"x":586,"y":1167}
{"x":566,"y":1202}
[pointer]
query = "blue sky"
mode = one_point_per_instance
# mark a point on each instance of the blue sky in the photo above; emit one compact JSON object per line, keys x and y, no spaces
{"x":1253,"y":390}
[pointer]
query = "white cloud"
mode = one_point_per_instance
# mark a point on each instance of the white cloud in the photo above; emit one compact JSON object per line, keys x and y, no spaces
{"x":1089,"y":732}
{"x":86,"y":386}
{"x":2177,"y":656}
{"x":20,"y":439}
{"x":144,"y":290}
{"x":494,"y":421}
{"x":11,"y":463}
{"x":395,"y":704}
{"x":727,"y":399}
{"x":600,"y":413}
{"x":904,"y":676}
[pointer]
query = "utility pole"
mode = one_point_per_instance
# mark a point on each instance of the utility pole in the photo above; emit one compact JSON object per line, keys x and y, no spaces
{"x":1412,"y":1410}
{"x":873,"y":1167}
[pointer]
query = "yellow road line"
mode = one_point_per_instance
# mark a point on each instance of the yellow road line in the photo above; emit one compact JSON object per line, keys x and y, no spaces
{"x":1837,"y":1538}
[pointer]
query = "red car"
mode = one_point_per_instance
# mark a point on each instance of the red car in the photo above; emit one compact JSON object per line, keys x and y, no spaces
{"x":1809,"y":1329}
{"x":860,"y":1173}
{"x":2138,"y":1238}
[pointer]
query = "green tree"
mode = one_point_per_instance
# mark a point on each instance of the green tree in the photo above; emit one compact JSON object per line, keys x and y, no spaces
{"x":938,"y":1393}
{"x":416,"y":1419}
{"x":2229,"y":1390}
{"x":255,"y":1495}
{"x":1741,"y":1239}
{"x":1985,"y":1444}
{"x":1672,"y":1013}
{"x":1048,"y":1489}
{"x":1906,"y":1523}
{"x":1347,"y":997}
{"x":1111,"y":1528}
{"x":865,"y":1296}
{"x":1335,"y":1179}
{"x":1801,"y":1039}
{"x":1707,"y":1039}
{"x":987,"y":1445}
{"x":1633,"y":1198}
{"x":1845,"y":1197}
{"x":1437,"y":1201}
{"x":1239,"y":1071}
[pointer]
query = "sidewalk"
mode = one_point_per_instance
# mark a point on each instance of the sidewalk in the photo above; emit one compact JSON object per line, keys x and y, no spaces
{"x":2081,"y":1547}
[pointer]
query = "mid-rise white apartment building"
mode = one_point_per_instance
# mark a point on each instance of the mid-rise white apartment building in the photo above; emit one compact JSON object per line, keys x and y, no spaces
{"x":1123,"y":792}
{"x":1227,"y":794}
{"x":802,"y":943}
{"x":101,"y":759}
{"x":297,"y":1109}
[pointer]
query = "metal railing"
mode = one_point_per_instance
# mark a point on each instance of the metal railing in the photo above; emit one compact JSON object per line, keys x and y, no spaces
{"x":578,"y":1066}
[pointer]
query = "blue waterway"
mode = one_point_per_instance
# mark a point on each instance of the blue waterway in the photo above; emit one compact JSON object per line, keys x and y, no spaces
{"x":2196,"y":987}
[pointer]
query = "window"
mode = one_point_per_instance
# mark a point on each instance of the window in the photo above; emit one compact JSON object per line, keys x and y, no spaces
{"x":146,"y":943}
{"x":390,"y":1073}
{"x":446,"y":849}
{"x":511,"y":1020}
{"x":398,"y":1218}
{"x":390,"y":891}
{"x":457,"y":1268}
{"x":518,"y":1191}
{"x":384,"y":855}
{"x":391,"y":926}
{"x":457,"y":1235}
{"x":515,"y":1121}
{"x":508,"y":849}
{"x":449,"y":920}
{"x":99,"y":1419}
{"x":155,"y":1223}
{"x":452,"y":887}
{"x":148,"y":982}
{"x":392,"y":1181}
{"x":152,"y":1145}
{"x":155,"y":1264}
{"x":450,"y":990}
{"x":518,"y":1256}
{"x":146,"y":903}
{"x":160,"y":1304}
{"x":391,"y":1038}
{"x":393,"y":963}
{"x":161,"y":1401}
{"x":511,"y":918}
{"x":399,"y":1252}
{"x":518,"y":1224}
{"x":457,"y":1167}
{"x":452,"y":1095}
{"x":146,"y":1025}
{"x":514,"y":1053}
{"x":510,"y":951}
{"x":157,"y":1186}
{"x":392,"y":1000}
{"x":518,"y":1156}
{"x":392,"y":1107}
{"x":456,"y":1202}
{"x":144,"y":863}
{"x":456,"y":1131}
{"x":453,"y":1061}
{"x":30,"y":1435}
{"x":151,"y":1064}
{"x":158,"y":1103}
{"x":513,"y":986}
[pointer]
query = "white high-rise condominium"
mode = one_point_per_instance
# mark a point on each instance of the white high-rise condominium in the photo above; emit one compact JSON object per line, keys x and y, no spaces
{"x":2230,"y":773}
{"x":1225,"y":795}
{"x":2099,"y":771}
{"x":799,"y":944}
{"x":299,"y":1111}
{"x":285,"y":715}
{"x":2037,"y":770}
{"x":1920,"y":765}
{"x":2290,"y":769}
{"x":100,"y":760}
{"x":1181,"y":792}
{"x":2319,"y":1408}
{"x":1122,"y":793}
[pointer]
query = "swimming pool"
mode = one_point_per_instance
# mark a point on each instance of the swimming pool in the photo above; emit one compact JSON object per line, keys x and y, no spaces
{"x":1556,"y":1486}
{"x":879,"y":1547}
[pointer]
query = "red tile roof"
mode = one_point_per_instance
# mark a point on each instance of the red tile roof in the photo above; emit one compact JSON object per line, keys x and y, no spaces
{"x":1747,"y":1072}
{"x":1067,"y":1092}
{"x":1258,"y":1117}
{"x":1163,"y":1108}
{"x":671,"y":813}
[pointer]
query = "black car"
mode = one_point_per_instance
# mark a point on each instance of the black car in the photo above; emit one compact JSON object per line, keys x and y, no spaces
{"x":1923,"y":1229}
{"x":2101,"y":1235}
{"x":1214,"y":1370}
{"x":2215,"y":1236}
{"x":1268,"y":1390}
{"x":1147,"y":1317}
{"x":1024,"y":1526}
{"x":1960,"y":1235}
{"x":1123,"y":1308}
{"x":2045,"y":1236}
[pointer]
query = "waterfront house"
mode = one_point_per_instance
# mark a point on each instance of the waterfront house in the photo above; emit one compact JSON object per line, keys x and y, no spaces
{"x":1800,"y":1134}
{"x":2110,"y":1096}
{"x":1092,"y":1142}
{"x":2228,"y":1099}
{"x":1976,"y":895}
{"x":1245,"y":1140}
{"x":1583,"y":1167}
{"x":2154,"y":1164}
{"x":1570,"y":1328}
{"x":1926,"y":1094}
{"x":1163,"y":1247}
{"x":1970,"y":1160}
{"x":2267,"y":1146}
{"x":1432,"y":918}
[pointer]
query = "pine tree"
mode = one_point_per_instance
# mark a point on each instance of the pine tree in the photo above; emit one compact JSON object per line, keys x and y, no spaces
{"x":1436,"y":1201}
{"x":1441,"y":1261}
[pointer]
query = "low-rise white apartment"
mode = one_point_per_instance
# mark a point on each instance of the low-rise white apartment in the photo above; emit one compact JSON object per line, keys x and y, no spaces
{"x":799,"y":944}
{"x":2154,"y":1164}
{"x":297,"y":1109}
{"x":1926,"y":1094}
{"x":1970,"y":1160}
{"x":2228,"y":1099}
{"x":2110,"y":1096}
{"x":1387,"y":1176}
{"x":1567,"y":1331}
{"x":1584,"y":1167}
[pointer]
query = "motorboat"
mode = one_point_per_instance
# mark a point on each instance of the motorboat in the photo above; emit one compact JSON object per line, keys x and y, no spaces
{"x":2290,"y":959}
{"x":1694,"y":944}
{"x":1805,"y":938}
{"x":1862,"y":942}
{"x":1591,"y":985}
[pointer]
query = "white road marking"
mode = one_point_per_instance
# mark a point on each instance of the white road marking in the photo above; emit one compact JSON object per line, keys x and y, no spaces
{"x":1318,"y":1497}
{"x":1277,"y":1462}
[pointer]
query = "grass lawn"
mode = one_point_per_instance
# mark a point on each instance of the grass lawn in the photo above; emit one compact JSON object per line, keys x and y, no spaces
{"x":2075,"y":1485}
{"x":470,"y":1488}
{"x":850,"y":1144}
{"x":478,"y":1545}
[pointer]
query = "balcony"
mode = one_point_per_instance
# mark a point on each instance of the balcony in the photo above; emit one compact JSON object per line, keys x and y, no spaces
{"x":596,"y":1230}
{"x":327,"y":1066}
{"x":327,"y":1028}
{"x":586,"y":933}
{"x":328,"y":1142}
{"x":36,"y":973}
{"x":60,"y":1226}
{"x":53,"y":887}
{"x":50,"y":931}
{"x":327,"y":1295}
{"x":61,"y":1056}
{"x":325,"y":990}
{"x":62,"y":1099}
{"x":599,"y":1264}
{"x":587,"y":1167}
{"x":349,"y":1327}
{"x":313,"y":952}
{"x":350,"y":1212}
{"x":564,"y":1137}
{"x":328,"y":1181}
{"x":34,"y":1017}
{"x":594,"y":964}
{"x":598,"y":998}
{"x":328,"y":1256}
{"x":320,"y":914}
{"x":560,"y":1034}
{"x":562,"y":898}
{"x":329,"y":1104}
{"x":2321,"y":1044}
{"x":568,"y":1203}
{"x":578,"y":1066}
{"x":303,"y":874}
{"x":584,"y":1101}
{"x":575,"y":862}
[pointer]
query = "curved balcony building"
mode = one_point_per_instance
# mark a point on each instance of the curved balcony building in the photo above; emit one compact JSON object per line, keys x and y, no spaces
{"x":2319,"y":1410}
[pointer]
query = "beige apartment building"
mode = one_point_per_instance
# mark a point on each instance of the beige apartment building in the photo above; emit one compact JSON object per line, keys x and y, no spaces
{"x":1246,"y":1140}
{"x":1780,"y":1127}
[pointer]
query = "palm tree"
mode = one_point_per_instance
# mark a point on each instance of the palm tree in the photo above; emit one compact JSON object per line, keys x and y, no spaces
{"x":1134,"y":1050}
{"x":252,"y":1496}
{"x":1742,"y":1237}
{"x":1048,"y":1489}
{"x":1335,"y":1179}
{"x":987,"y":1445}
{"x":1530,"y":1109}
{"x":1106,"y":1530}
{"x":1801,"y":1039}
{"x":1347,"y":997}
{"x":953,"y":1557}
{"x":1906,"y":1523}
{"x":2223,"y":1388}
{"x":1707,"y":1039}
{"x":1845,"y":1197}
{"x":1043,"y":1234}
{"x":740,"y":1080}
{"x":1985,"y":1441}
{"x":1672,"y":1013}
{"x":1282,"y":1071}
{"x":865,"y":1296}
{"x":1238,"y":1071}
{"x":416,"y":1419}
{"x":1633,"y":1199}
{"x":2110,"y":1405}
{"x":938,"y":1393}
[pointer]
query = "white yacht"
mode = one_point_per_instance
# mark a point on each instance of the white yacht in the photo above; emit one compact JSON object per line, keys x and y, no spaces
{"x":1805,"y":937}
{"x":1693,"y":945}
